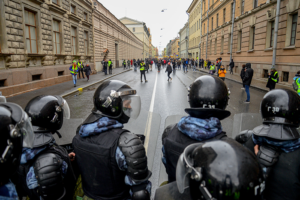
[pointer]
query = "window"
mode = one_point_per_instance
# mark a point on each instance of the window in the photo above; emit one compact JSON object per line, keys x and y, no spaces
{"x":85,"y":16}
{"x":239,"y":47}
{"x":222,"y":44}
{"x":255,"y":3}
{"x":242,"y":6}
{"x":30,"y":32}
{"x":216,"y":46}
{"x":252,"y":38}
{"x":212,"y":23}
{"x":133,"y":29}
{"x":73,"y":41}
{"x":217,"y":20}
{"x":294,"y":29}
{"x":55,"y":2}
{"x":60,"y":73}
{"x":272,"y":33}
{"x":56,"y":37}
{"x":73,"y":9}
{"x":285,"y":76}
{"x":224,"y":15}
{"x":204,"y":6}
{"x":36,"y":77}
{"x":265,"y":73}
{"x":86,"y":44}
{"x":2,"y":83}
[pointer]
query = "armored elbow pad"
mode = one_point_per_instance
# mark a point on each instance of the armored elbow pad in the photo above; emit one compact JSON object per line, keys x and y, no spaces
{"x":244,"y":136}
{"x":47,"y":168}
{"x":135,"y":156}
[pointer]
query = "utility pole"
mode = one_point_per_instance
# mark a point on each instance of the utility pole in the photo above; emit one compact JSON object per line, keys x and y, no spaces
{"x":207,"y":27}
{"x":232,"y":26}
{"x":276,"y":33}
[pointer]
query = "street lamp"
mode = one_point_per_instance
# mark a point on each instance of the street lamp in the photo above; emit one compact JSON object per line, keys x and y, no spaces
{"x":163,"y":10}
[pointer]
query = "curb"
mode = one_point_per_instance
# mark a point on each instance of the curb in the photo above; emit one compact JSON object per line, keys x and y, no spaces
{"x":77,"y":90}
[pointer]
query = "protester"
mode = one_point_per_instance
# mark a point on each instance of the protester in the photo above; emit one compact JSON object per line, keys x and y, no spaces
{"x":231,"y":65}
{"x":87,"y":71}
{"x":80,"y":68}
{"x":143,"y":71}
{"x":247,"y":80}
{"x":124,"y":64}
{"x":222,"y":73}
{"x":273,"y":79}
{"x":296,"y":83}
{"x":169,"y":70}
{"x":74,"y":70}
{"x":205,"y":64}
{"x":212,"y":69}
{"x":110,"y":64}
{"x":105,"y":64}
{"x":242,"y":75}
{"x":131,"y":63}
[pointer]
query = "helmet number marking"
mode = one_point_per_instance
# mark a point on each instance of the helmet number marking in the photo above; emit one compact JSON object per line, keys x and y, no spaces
{"x":208,"y":106}
{"x":262,"y":188}
{"x":273,"y":109}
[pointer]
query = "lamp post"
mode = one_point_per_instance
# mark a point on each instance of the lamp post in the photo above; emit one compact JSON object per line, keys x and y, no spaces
{"x":207,"y":28}
{"x":232,"y":27}
{"x":276,"y":33}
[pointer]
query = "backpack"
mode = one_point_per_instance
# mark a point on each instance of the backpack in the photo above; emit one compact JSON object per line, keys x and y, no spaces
{"x":295,"y":85}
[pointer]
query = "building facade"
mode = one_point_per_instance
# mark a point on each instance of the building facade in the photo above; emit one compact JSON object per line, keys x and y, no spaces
{"x":194,"y":28}
{"x":140,"y":30}
{"x":40,"y":39}
{"x":169,"y":48}
{"x":253,"y":36}
{"x":184,"y":41}
{"x":113,"y":40}
{"x":175,"y":48}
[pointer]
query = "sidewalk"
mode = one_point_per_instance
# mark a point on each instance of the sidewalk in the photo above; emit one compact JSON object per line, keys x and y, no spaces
{"x":63,"y":88}
{"x":256,"y":83}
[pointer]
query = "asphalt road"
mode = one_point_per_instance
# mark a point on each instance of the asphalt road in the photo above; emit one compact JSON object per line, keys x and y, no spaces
{"x":164,"y":99}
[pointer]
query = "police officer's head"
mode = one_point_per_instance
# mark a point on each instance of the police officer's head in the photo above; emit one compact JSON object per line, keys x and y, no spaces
{"x":16,"y":132}
{"x":117,"y":100}
{"x":208,"y":97}
{"x":48,"y":111}
{"x":221,"y":169}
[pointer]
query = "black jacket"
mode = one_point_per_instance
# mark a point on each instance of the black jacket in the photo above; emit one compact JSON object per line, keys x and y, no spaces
{"x":169,"y":69}
{"x":231,"y":64}
{"x":248,"y":75}
{"x":271,"y":84}
{"x":242,"y":73}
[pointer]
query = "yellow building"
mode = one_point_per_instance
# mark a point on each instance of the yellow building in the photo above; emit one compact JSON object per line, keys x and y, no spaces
{"x":194,"y":28}
{"x":175,"y":48}
{"x":140,"y":30}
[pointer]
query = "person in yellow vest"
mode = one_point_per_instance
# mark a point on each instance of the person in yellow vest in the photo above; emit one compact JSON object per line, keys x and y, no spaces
{"x":124,"y":64}
{"x":143,"y":70}
{"x":80,"y":68}
{"x":273,"y":79}
{"x":110,"y":66}
{"x":296,"y":83}
{"x":222,"y":72}
{"x":74,"y":70}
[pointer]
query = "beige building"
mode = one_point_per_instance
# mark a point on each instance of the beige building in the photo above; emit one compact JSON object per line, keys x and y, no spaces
{"x":175,"y":48}
{"x":194,"y":28}
{"x":140,"y":30}
{"x":40,"y":39}
{"x":184,"y":41}
{"x":253,"y":36}
{"x":112,"y":36}
{"x":150,"y":44}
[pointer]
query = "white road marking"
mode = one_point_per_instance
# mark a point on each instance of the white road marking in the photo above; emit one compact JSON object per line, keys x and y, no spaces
{"x":149,"y":120}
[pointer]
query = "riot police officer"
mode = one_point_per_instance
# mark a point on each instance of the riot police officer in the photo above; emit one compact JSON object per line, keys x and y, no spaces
{"x":16,"y":132}
{"x":111,"y":160}
{"x":277,"y":143}
{"x":45,"y":171}
{"x":220,"y":169}
{"x":208,"y":98}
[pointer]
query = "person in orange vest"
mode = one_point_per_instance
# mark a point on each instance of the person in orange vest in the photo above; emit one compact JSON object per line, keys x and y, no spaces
{"x":222,"y":72}
{"x":74,"y":70}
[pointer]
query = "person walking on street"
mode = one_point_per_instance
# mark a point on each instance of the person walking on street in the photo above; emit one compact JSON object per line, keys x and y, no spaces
{"x":124,"y":64}
{"x":87,"y":71}
{"x":80,"y":68}
{"x":222,"y":73}
{"x":296,"y":83}
{"x":208,"y":64}
{"x":212,"y":69}
{"x":110,"y":64}
{"x":143,"y":71}
{"x":169,"y":70}
{"x":273,"y":79}
{"x":231,"y":65}
{"x":128,"y":64}
{"x":131,"y":63}
{"x":242,"y":75}
{"x":74,"y":70}
{"x":205,"y":64}
{"x":247,"y":80}
{"x":105,"y":67}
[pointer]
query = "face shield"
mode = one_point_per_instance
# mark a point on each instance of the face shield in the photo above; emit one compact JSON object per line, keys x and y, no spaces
{"x":25,"y":128}
{"x":185,"y":169}
{"x":66,"y":109}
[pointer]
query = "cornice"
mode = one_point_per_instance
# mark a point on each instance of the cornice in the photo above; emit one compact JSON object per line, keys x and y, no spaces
{"x":192,"y":6}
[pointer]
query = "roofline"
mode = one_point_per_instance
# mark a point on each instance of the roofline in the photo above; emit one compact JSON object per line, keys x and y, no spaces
{"x":191,"y":6}
{"x":132,"y":20}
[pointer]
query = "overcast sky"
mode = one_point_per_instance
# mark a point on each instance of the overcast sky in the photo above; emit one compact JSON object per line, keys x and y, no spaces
{"x":149,"y":11}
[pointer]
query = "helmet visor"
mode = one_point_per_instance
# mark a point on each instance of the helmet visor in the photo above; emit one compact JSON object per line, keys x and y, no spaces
{"x":131,"y":106}
{"x":26,"y":130}
{"x":2,"y":99}
{"x":66,"y":109}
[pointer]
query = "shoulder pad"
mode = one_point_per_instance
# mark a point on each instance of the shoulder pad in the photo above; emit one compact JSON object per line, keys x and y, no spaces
{"x":244,"y":136}
{"x":47,"y":168}
{"x":135,"y":155}
{"x":267,"y":155}
{"x":167,"y":130}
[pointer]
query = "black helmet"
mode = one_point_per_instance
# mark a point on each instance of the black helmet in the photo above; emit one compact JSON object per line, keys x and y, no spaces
{"x":117,"y":100}
{"x":16,"y":132}
{"x":208,"y":97}
{"x":281,"y":106}
{"x":47,"y":111}
{"x":221,"y":169}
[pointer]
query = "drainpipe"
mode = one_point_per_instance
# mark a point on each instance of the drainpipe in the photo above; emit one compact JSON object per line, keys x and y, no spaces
{"x":200,"y":33}
{"x":93,"y":16}
{"x":232,"y":27}
{"x":207,"y":28}
{"x":276,"y":33}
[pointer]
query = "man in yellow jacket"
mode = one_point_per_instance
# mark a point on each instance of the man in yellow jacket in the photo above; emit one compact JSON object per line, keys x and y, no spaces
{"x":222,"y":72}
